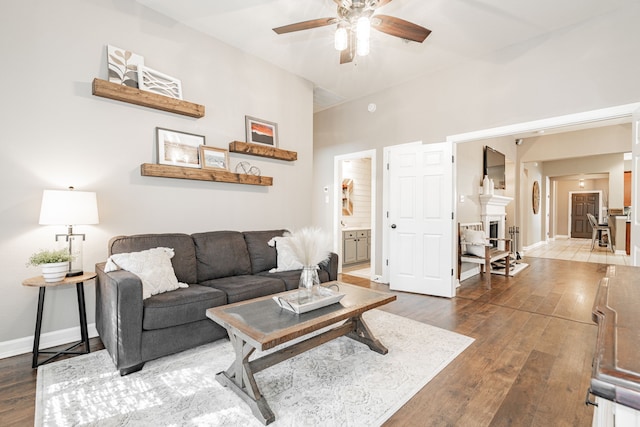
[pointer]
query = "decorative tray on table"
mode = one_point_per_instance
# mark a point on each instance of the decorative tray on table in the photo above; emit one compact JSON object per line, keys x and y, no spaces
{"x":301,"y":301}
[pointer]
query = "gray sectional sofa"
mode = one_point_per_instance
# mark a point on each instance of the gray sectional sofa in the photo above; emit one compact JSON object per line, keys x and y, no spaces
{"x":220,"y":267}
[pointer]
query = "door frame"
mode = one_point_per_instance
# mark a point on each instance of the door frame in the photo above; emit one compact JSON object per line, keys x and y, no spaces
{"x":547,"y":201}
{"x":571,"y":193}
{"x":337,"y":203}
{"x":631,"y":111}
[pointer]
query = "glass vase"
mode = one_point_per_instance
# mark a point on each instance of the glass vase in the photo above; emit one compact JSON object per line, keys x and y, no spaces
{"x":308,"y":285}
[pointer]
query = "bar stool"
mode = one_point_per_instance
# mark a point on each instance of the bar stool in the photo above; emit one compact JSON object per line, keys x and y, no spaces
{"x":604,"y":229}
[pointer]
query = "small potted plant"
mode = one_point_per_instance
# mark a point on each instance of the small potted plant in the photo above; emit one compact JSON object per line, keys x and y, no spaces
{"x":53,"y":263}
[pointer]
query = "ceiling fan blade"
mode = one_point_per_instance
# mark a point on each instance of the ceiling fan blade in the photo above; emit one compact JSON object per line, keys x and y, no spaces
{"x":346,"y":56}
{"x":305,"y":25}
{"x":399,"y":28}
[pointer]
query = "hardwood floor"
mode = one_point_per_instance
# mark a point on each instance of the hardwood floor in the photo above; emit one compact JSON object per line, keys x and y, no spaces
{"x":530,"y":363}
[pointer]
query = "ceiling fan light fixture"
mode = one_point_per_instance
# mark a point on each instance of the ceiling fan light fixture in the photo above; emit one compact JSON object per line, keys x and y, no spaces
{"x":340,"y":40}
{"x":363,"y":32}
{"x":363,"y":28}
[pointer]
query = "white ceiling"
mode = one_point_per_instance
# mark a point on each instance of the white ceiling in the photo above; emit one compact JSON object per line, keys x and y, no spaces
{"x":461,"y":29}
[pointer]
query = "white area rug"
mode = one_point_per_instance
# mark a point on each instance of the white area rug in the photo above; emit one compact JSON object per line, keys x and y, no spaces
{"x":341,"y":383}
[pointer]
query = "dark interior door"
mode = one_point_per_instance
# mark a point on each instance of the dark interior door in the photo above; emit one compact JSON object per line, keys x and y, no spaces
{"x":581,"y":205}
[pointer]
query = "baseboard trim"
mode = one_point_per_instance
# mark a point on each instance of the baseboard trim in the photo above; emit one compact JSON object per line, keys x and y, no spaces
{"x":469,"y":273}
{"x":49,"y":339}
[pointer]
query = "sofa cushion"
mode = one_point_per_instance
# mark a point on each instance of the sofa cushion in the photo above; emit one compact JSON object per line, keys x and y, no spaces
{"x":262,"y":256}
{"x":183,"y":261}
{"x":184,"y":305}
{"x":221,"y":254}
{"x":240,"y":288}
{"x":152,"y":266}
{"x":292,"y":278}
{"x":474,"y":242}
{"x":287,"y":259}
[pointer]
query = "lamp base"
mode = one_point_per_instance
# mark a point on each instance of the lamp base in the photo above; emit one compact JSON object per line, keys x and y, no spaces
{"x":75,"y":273}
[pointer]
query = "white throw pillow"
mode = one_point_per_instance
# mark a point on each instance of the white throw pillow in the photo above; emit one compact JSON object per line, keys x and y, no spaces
{"x":474,"y":242}
{"x":152,"y":266}
{"x":287,"y":261}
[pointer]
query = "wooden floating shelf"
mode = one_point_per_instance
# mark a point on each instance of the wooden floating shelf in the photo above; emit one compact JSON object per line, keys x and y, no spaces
{"x":164,"y":171}
{"x":262,"y":151}
{"x":144,"y":98}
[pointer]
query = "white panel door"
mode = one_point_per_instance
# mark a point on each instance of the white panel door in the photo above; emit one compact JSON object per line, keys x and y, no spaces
{"x":420,"y":211}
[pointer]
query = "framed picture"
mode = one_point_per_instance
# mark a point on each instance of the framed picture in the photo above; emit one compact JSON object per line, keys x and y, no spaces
{"x":214,"y":158}
{"x":124,"y":66}
{"x":178,"y":148}
{"x":261,"y":131}
{"x":157,"y":82}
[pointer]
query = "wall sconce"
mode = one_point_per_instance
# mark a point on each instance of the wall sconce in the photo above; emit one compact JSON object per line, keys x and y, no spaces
{"x":581,"y":183}
{"x":70,"y":208}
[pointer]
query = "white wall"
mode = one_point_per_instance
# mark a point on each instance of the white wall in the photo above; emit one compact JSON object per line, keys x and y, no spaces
{"x":56,"y":134}
{"x":470,"y":166}
{"x":532,"y":227}
{"x":585,"y":67}
{"x":581,"y":143}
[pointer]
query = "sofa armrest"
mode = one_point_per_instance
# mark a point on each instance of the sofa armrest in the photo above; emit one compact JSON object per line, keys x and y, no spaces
{"x":330,"y":265}
{"x":119,"y":309}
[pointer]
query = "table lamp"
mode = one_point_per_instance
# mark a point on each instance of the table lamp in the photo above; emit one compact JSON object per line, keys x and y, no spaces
{"x":60,"y":207}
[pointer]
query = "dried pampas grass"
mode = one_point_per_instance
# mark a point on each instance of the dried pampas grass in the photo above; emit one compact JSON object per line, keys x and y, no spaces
{"x":310,"y":245}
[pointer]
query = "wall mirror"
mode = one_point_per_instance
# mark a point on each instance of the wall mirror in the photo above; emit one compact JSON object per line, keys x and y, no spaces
{"x":347,"y":197}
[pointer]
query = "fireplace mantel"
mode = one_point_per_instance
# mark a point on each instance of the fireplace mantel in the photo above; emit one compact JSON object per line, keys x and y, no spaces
{"x":492,"y":203}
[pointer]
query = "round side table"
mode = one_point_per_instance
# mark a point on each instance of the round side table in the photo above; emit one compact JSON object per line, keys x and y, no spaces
{"x":40,"y":283}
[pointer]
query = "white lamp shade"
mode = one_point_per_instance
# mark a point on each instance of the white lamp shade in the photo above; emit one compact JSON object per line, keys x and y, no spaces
{"x":68,"y":207}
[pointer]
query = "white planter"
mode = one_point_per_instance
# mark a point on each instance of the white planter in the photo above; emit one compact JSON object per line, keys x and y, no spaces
{"x":54,"y":272}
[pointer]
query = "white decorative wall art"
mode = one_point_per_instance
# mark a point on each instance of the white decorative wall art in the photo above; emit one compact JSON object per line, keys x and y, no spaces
{"x":123,"y":66}
{"x":157,"y":82}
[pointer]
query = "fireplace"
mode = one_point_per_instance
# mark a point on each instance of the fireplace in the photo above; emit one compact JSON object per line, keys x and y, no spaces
{"x":493,"y":232}
{"x":494,"y":216}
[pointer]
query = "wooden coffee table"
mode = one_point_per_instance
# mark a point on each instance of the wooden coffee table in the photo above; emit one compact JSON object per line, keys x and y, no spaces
{"x":260,"y":324}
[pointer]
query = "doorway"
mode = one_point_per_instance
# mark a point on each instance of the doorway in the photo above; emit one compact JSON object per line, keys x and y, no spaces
{"x":627,"y":113}
{"x":354,"y":214}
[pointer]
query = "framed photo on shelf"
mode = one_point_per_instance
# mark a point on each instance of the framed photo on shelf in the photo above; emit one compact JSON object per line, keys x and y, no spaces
{"x":178,"y":148}
{"x":261,"y":131}
{"x":214,"y":158}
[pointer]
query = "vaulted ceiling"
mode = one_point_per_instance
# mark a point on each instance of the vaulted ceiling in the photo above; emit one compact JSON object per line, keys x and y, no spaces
{"x":461,"y":29}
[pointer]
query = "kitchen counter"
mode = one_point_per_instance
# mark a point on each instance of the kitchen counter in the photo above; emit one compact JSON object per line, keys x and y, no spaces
{"x":616,"y":364}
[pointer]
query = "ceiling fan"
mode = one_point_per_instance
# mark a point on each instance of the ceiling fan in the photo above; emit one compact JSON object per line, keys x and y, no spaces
{"x":354,"y":21}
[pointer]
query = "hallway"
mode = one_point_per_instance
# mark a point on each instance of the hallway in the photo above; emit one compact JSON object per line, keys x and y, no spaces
{"x":577,"y":250}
